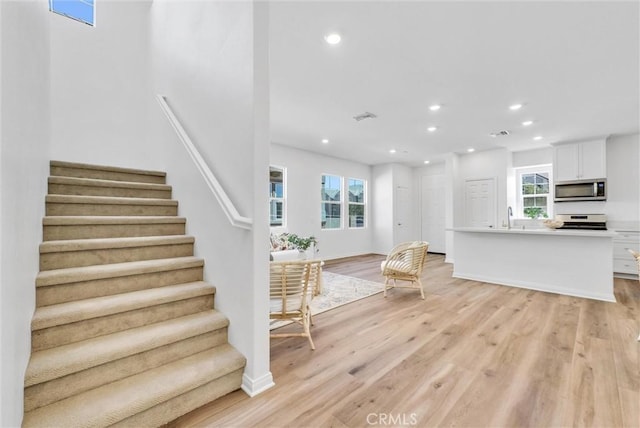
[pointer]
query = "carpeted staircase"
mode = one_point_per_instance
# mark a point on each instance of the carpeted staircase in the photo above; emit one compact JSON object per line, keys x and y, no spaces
{"x":124,"y":332}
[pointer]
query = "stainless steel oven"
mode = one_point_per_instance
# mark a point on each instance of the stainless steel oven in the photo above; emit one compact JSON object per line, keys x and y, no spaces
{"x":583,"y":221}
{"x":581,"y":190}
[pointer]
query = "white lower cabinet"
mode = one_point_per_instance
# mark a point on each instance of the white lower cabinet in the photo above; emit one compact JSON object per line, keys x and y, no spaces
{"x":623,"y":261}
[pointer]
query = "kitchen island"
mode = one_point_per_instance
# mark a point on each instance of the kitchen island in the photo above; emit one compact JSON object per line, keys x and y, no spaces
{"x":571,"y":262}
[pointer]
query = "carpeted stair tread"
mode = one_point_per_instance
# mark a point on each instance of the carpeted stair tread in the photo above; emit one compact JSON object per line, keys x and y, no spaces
{"x":96,"y":182}
{"x":87,"y":273}
{"x":107,"y":200}
{"x":108,"y":243}
{"x":124,"y":332}
{"x":80,"y":310}
{"x":56,"y":362}
{"x":108,"y":220}
{"x":63,"y":164}
{"x":118,"y":400}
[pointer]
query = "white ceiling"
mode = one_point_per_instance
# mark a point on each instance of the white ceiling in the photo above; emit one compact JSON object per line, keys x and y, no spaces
{"x":574,"y":66}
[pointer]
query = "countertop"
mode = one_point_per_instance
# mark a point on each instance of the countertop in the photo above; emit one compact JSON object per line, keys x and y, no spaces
{"x":543,"y":232}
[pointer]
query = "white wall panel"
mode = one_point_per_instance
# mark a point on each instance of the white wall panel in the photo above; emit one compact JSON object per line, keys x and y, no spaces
{"x":24,"y":155}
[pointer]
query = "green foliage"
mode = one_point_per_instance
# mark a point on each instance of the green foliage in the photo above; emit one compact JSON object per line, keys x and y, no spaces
{"x":302,"y":243}
{"x":535,"y":212}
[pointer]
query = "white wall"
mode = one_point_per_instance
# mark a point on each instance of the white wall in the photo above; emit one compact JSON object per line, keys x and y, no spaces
{"x":387,"y":232}
{"x":304,"y":171}
{"x":480,"y":165}
{"x":100,"y":91}
{"x":382,"y":204}
{"x":24,"y":155}
{"x":204,"y":60}
{"x":623,"y":178}
{"x":533,"y":157}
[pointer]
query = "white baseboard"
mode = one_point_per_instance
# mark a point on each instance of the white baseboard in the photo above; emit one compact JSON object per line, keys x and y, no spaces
{"x":538,"y":287}
{"x":254,"y":387}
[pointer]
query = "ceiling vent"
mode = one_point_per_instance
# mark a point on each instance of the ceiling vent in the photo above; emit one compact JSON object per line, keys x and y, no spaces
{"x":502,"y":133}
{"x":365,"y":115}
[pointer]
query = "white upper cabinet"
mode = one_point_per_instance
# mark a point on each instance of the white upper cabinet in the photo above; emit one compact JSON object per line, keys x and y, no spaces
{"x":580,"y":161}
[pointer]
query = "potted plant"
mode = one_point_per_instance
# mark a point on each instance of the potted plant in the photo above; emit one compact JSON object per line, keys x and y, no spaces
{"x":303,"y":243}
{"x":535,"y":212}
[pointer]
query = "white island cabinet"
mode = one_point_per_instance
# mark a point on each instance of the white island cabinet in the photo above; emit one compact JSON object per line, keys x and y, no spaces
{"x":570,"y":262}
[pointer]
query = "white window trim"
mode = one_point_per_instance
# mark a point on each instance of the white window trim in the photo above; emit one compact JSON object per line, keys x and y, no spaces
{"x":283,"y":199}
{"x":341,"y":202}
{"x":75,"y":18}
{"x":364,"y":203}
{"x":519,"y":172}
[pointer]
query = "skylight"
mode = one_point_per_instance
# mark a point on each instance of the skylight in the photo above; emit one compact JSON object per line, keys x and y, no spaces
{"x":79,"y":10}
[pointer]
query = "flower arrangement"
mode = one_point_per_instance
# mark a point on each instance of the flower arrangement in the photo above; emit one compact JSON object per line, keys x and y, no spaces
{"x":302,"y":243}
{"x":291,"y":241}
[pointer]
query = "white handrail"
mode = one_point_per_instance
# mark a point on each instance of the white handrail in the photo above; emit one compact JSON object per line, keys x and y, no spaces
{"x":227,"y":206}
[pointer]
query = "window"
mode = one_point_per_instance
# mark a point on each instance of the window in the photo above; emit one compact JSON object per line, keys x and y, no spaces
{"x":534,"y":187}
{"x":331,"y":202}
{"x":276,"y":196}
{"x":356,"y":193}
{"x":80,"y":10}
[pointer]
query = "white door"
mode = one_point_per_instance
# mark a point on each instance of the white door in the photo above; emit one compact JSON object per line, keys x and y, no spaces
{"x":402,"y":213}
{"x":480,"y":203}
{"x":432,"y":211}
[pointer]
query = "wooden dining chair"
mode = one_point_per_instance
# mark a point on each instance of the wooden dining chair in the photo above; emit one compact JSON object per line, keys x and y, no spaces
{"x":405,"y":263}
{"x":289,"y":294}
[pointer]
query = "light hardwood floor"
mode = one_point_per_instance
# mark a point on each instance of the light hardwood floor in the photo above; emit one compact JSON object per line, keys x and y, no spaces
{"x":470,"y":355}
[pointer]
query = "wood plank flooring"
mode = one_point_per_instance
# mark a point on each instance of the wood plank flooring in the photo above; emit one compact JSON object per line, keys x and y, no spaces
{"x":470,"y":355}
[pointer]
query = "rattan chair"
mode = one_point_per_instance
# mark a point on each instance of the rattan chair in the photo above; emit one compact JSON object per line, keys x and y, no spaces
{"x":405,"y":263}
{"x":289,"y":293}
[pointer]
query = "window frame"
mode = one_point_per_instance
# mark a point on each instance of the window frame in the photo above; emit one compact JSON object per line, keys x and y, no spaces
{"x":283,"y":199}
{"x":340,"y":202}
{"x":363,"y":203}
{"x":520,"y":197}
{"x":68,"y":14}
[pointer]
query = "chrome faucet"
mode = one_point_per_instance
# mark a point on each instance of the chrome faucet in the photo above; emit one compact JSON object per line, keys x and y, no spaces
{"x":509,"y":215}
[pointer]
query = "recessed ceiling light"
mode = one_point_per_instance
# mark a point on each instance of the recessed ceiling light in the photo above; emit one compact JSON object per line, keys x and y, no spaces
{"x":325,"y":141}
{"x":392,"y":151}
{"x":471,"y":150}
{"x":431,"y":128}
{"x":527,"y":122}
{"x":333,"y":38}
{"x":434,"y":107}
{"x":537,"y":137}
{"x":515,"y":107}
{"x":426,"y":162}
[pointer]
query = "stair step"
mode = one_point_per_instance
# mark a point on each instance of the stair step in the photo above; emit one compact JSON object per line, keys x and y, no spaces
{"x":44,"y":393}
{"x":71,"y":312}
{"x":124,"y":332}
{"x":82,"y":170}
{"x":60,"y":361}
{"x":56,"y":228}
{"x":99,"y":187}
{"x":69,"y":322}
{"x":127,"y":397}
{"x":90,"y":252}
{"x":71,"y":284}
{"x":109,"y":206}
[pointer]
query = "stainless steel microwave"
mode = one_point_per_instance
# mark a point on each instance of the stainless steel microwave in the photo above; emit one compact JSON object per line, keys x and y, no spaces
{"x":581,"y":190}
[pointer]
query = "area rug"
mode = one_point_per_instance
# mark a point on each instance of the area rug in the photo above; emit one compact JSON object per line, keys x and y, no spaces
{"x":338,"y":290}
